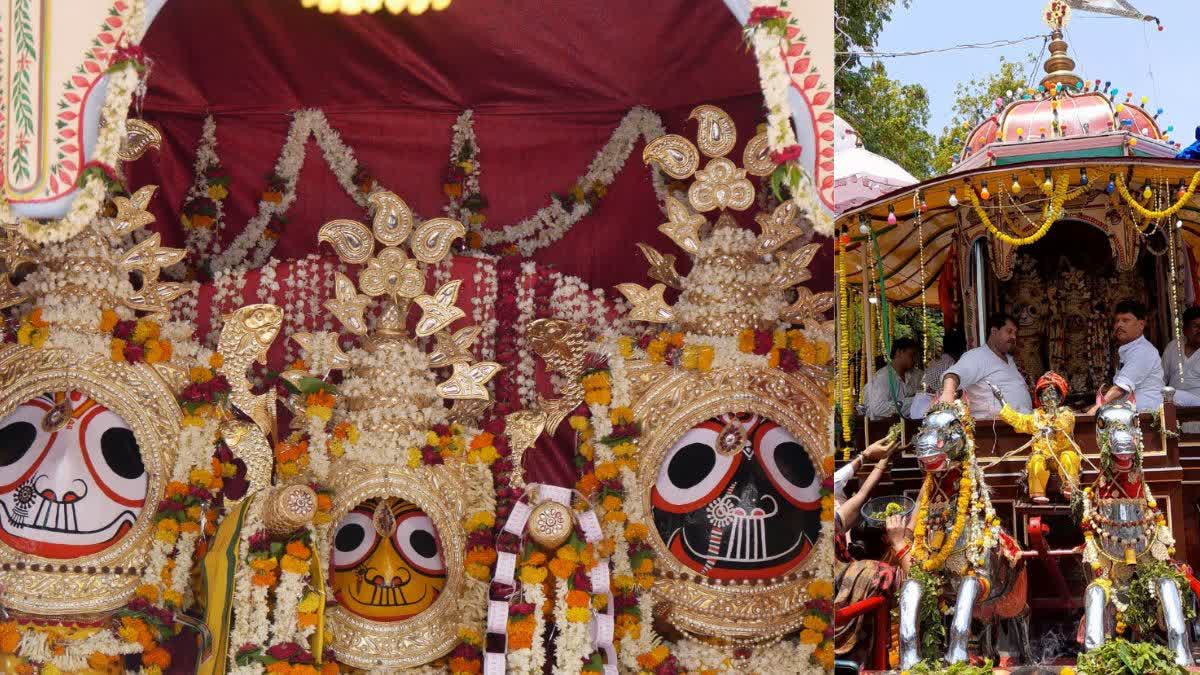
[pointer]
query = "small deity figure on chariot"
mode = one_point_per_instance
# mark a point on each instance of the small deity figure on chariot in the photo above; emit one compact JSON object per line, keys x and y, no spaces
{"x":1138,"y":587}
{"x":1051,"y":425}
{"x":960,"y":555}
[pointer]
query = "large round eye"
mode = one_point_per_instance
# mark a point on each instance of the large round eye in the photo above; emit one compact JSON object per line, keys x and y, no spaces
{"x":113,"y":456}
{"x":23,"y":443}
{"x":693,"y":472}
{"x":787,"y":465}
{"x":416,"y":540}
{"x":354,"y":540}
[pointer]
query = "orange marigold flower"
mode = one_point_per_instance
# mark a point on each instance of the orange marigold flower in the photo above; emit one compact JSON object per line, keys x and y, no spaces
{"x":294,"y":565}
{"x":610,"y":502}
{"x":577,"y":598}
{"x":117,"y":349}
{"x":587,"y":483}
{"x":108,"y":320}
{"x":482,"y":556}
{"x":36,"y":320}
{"x":324,"y":503}
{"x":156,"y":657}
{"x":746,"y":341}
{"x":10,"y":638}
{"x":263,"y":579}
{"x":297,"y":549}
{"x":773,"y":358}
{"x":562,"y":568}
{"x":532,"y":575}
{"x":537,"y":558}
{"x":606,"y":471}
{"x":306,"y":619}
{"x":462,"y":665}
{"x":216,"y":360}
{"x":636,"y":531}
{"x":483,"y":440}
{"x":320,"y":398}
{"x":520,"y":634}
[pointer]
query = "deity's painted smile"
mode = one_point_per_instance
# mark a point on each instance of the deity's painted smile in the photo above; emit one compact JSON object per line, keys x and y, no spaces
{"x":738,"y":497}
{"x":72,"y":480}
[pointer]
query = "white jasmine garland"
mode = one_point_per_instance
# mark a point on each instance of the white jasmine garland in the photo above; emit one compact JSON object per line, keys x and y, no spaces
{"x":35,"y":646}
{"x":288,"y":593}
{"x":463,"y":132}
{"x":572,"y":643}
{"x":249,"y":600}
{"x":526,"y":360}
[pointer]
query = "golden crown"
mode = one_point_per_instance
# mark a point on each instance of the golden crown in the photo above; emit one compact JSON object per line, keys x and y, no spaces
{"x":389,"y":383}
{"x":738,"y":280}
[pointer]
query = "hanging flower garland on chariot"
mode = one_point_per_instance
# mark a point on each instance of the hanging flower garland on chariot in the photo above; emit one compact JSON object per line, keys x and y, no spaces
{"x":960,"y":555}
{"x":1051,"y":425}
{"x":125,"y":441}
{"x":1138,"y":587}
{"x":705,"y":442}
{"x":374,"y":549}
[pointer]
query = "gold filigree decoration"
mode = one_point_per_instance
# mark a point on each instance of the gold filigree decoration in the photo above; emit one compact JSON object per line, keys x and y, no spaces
{"x":778,"y":227}
{"x":563,"y":346}
{"x":393,"y":274}
{"x":140,"y":136}
{"x":439,"y":310}
{"x":674,"y":154}
{"x":351,"y":240}
{"x":431,"y":242}
{"x":721,"y":185}
{"x":245,"y":338}
{"x":662,"y":267}
{"x":648,"y":303}
{"x":393,"y":219}
{"x":288,"y":508}
{"x":522,"y":429}
{"x":347,"y":305}
{"x":717,"y":133}
{"x":325,"y":342}
{"x":550,"y":524}
{"x":131,"y":211}
{"x":756,"y":157}
{"x":450,"y":349}
{"x":249,"y":443}
{"x":467,"y":381}
{"x":682,"y":226}
{"x":808,"y":307}
{"x":793,"y":266}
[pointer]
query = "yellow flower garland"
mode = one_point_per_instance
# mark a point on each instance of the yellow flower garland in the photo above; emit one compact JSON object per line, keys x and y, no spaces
{"x":844,"y":344}
{"x":1164,"y":213}
{"x":921,"y":551}
{"x":1058,"y":197}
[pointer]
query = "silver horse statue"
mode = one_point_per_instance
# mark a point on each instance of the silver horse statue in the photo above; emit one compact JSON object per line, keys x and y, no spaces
{"x":942,"y":450}
{"x":1119,"y":496}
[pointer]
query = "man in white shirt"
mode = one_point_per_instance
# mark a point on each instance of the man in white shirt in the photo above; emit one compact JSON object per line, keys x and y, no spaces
{"x":953,"y":346}
{"x":1187,"y":388}
{"x":991,"y":364}
{"x":890,"y":387}
{"x":1140,"y":372}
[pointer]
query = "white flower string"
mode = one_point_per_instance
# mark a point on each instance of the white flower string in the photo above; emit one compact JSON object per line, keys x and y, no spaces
{"x":251,"y":248}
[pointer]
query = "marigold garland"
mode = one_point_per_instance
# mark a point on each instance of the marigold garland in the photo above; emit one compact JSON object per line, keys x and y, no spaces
{"x":921,"y":552}
{"x":1058,"y":195}
{"x":1162,"y":213}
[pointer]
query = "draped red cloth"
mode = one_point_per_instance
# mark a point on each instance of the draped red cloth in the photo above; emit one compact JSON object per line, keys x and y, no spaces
{"x":548,"y":81}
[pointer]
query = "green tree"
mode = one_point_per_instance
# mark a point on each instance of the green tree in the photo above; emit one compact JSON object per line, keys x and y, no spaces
{"x":972,"y":98}
{"x":889,"y":116}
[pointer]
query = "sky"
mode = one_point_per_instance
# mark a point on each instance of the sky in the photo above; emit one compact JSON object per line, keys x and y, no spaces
{"x":1132,"y":54}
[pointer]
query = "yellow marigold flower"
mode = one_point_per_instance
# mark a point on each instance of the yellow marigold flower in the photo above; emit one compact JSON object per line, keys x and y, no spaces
{"x":108,"y":320}
{"x":622,"y":582}
{"x":578,"y":422}
{"x":320,"y":412}
{"x":200,"y":477}
{"x":480,"y":520}
{"x":625,"y":344}
{"x":656,"y":351}
{"x":779,"y":339}
{"x":217,"y":192}
{"x":479,"y":571}
{"x":193,"y":421}
{"x":586,"y":451}
{"x":606,"y":471}
{"x":704,"y":358}
{"x":264,"y":564}
{"x":579,"y":615}
{"x":814,"y":622}
{"x":810,"y":637}
{"x":25,"y":333}
{"x":568,"y":553}
{"x":620,"y":415}
{"x":533,"y":575}
{"x":172,"y":598}
{"x":288,"y":469}
{"x":149,"y":592}
{"x":614,"y":517}
{"x":154,"y":351}
{"x":636,"y":531}
{"x":216,"y":360}
{"x":488,"y":454}
{"x":610,"y":502}
{"x":645,"y":567}
{"x":336,"y":449}
{"x":145,"y":330}
{"x":414,"y":458}
{"x":294,"y":565}
{"x":820,"y":589}
{"x":310,"y":603}
{"x":625,"y":450}
{"x":200,"y":374}
{"x":167,"y":531}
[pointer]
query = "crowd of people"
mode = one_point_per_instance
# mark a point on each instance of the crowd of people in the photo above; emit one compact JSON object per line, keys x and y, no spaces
{"x":901,"y":388}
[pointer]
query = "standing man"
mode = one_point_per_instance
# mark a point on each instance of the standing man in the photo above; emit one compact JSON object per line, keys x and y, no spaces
{"x":1187,"y":388}
{"x":992,"y":363}
{"x":953,"y":346}
{"x":1140,"y":372}
{"x":890,"y":389}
